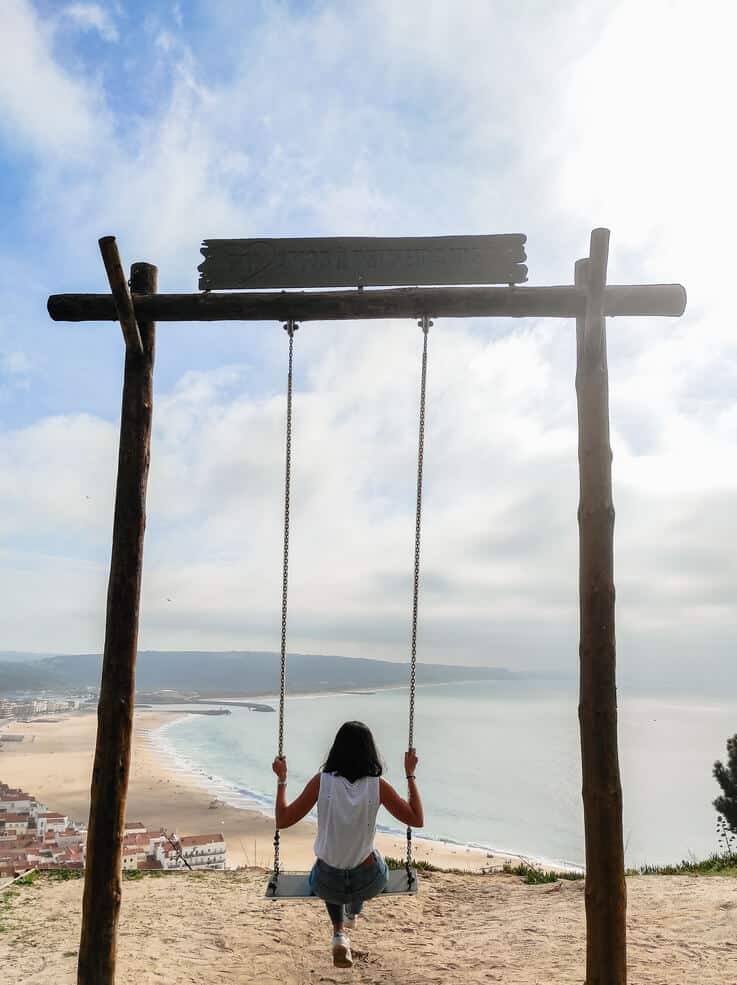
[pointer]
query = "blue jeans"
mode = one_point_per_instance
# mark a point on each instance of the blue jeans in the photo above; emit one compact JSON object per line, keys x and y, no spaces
{"x":346,"y":890}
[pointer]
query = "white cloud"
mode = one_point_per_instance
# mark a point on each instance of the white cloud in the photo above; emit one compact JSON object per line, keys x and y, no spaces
{"x":16,"y":364}
{"x":55,"y":481}
{"x":15,"y":373}
{"x":41,"y":105}
{"x":499,"y":535}
{"x":73,"y":593}
{"x":92,"y":17}
{"x":407,"y":118}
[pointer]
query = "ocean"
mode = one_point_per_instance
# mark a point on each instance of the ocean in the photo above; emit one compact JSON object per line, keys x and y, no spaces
{"x":499,"y":763}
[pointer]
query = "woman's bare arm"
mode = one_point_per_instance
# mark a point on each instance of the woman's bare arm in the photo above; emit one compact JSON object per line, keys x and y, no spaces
{"x":289,"y":814}
{"x":407,"y":811}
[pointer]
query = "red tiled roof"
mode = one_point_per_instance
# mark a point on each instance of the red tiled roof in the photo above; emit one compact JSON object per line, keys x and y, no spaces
{"x":7,"y":816}
{"x":70,"y":855}
{"x":187,"y":841}
{"x":20,"y":838}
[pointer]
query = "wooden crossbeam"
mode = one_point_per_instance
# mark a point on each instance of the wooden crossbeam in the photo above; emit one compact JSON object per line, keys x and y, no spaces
{"x":447,"y":302}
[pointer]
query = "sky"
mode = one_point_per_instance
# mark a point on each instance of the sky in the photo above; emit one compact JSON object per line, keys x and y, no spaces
{"x":165,"y":123}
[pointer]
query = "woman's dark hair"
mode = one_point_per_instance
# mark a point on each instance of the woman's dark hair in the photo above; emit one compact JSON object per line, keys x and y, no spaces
{"x":353,"y":753}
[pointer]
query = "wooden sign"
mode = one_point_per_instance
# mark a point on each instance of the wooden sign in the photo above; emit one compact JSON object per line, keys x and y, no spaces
{"x":357,"y":261}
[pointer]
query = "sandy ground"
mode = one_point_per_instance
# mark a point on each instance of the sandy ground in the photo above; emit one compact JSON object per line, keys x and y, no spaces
{"x":217,"y":928}
{"x":54,"y":763}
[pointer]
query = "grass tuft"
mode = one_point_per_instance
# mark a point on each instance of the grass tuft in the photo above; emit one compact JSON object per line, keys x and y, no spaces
{"x":28,"y":879}
{"x":421,"y":866}
{"x":63,"y":875}
{"x":718,"y":864}
{"x":534,"y":877}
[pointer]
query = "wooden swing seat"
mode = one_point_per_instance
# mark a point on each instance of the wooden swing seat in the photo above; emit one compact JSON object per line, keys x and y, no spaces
{"x":295,"y":885}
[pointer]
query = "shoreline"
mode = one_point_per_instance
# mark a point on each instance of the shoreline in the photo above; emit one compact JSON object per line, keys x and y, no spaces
{"x":54,"y":763}
{"x":389,"y":841}
{"x":485,"y":857}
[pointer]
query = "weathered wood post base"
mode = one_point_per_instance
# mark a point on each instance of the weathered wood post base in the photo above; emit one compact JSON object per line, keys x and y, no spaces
{"x":606,"y":893}
{"x":102,"y":886}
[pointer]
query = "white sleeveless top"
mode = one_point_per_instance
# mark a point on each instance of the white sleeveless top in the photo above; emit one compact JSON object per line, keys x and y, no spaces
{"x":346,"y":819}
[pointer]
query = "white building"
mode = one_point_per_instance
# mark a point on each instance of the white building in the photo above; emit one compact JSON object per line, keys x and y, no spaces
{"x":138,"y":848}
{"x":14,"y":824}
{"x":16,"y":803}
{"x":198,"y":851}
{"x":134,"y":828}
{"x":50,"y":821}
{"x":38,"y":808}
{"x":130,"y":858}
{"x":71,"y":836}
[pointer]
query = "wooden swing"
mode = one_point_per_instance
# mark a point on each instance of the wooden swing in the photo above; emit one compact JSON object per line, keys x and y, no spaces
{"x":448,"y":276}
{"x":295,"y":885}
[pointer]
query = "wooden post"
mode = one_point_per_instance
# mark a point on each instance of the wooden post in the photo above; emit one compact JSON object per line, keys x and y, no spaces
{"x":121,"y":294}
{"x":102,"y":887}
{"x":606,"y":892}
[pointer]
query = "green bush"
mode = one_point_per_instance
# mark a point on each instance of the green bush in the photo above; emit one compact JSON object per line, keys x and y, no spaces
{"x":726,"y":777}
{"x":28,"y":879}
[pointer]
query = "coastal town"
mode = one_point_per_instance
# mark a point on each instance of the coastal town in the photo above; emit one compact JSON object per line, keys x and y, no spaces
{"x":34,"y":837}
{"x":29,"y":707}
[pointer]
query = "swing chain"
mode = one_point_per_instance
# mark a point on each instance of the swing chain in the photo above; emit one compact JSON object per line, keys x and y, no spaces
{"x":276,"y":854}
{"x":425,"y":324}
{"x":290,"y":328}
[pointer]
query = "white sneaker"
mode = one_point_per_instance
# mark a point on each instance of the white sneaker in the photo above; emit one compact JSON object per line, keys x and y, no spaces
{"x":342,"y":957}
{"x":349,"y":923}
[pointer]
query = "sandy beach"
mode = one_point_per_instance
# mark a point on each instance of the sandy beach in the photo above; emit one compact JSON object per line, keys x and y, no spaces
{"x":217,"y":928}
{"x":54,"y":763}
{"x":181,"y":928}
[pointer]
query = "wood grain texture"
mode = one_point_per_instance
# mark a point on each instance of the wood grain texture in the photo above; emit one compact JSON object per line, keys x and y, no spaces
{"x":606,"y":893}
{"x":102,"y":888}
{"x":447,"y":302}
{"x":350,"y":261}
{"x":121,"y":294}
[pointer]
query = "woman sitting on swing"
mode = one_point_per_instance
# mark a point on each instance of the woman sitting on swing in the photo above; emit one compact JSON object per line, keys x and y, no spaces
{"x":348,"y":792}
